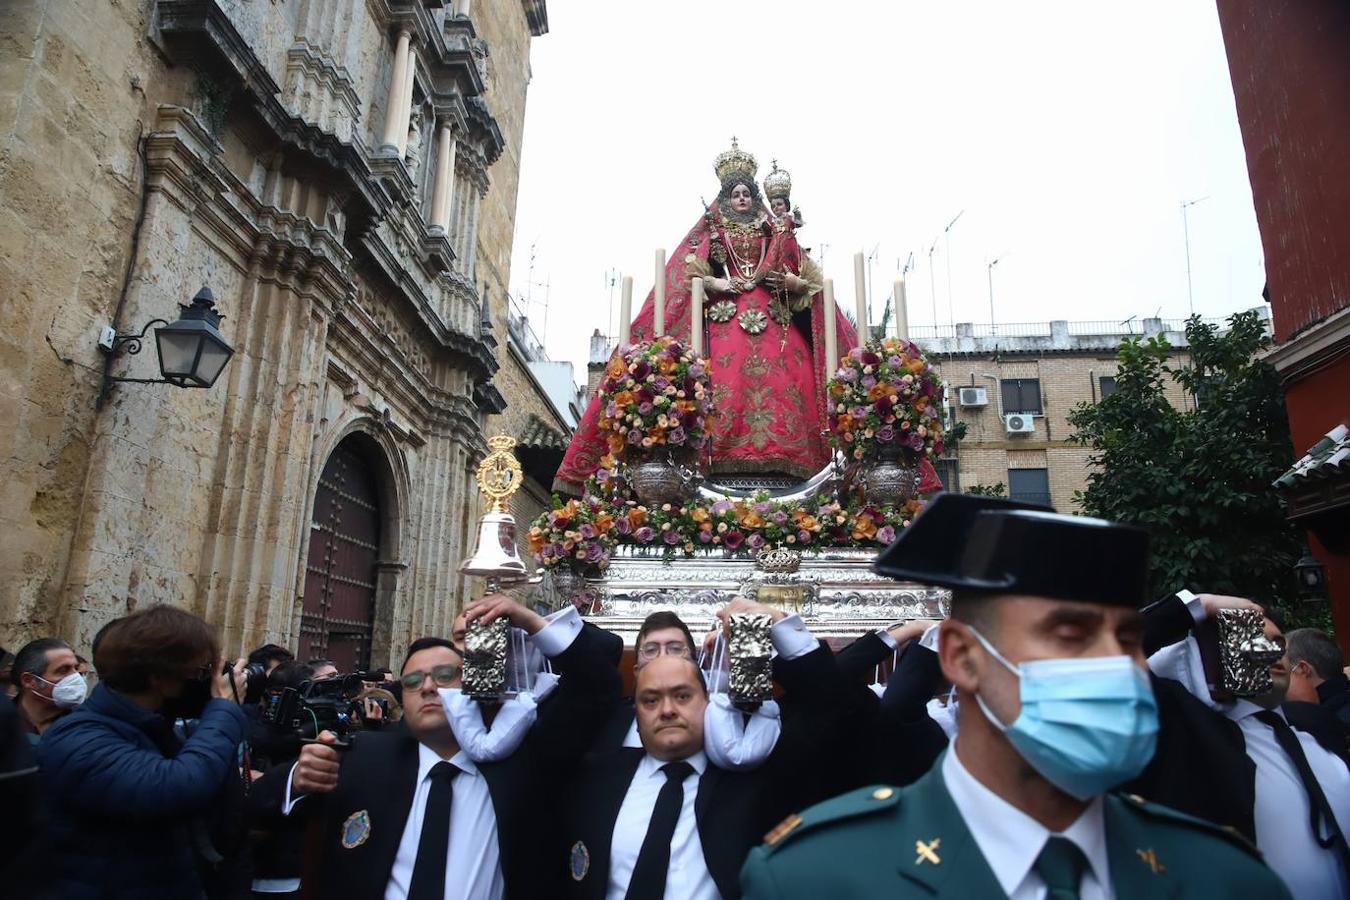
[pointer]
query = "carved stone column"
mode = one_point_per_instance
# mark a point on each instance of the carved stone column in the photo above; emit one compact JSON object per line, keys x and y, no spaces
{"x":443,"y":189}
{"x":395,"y":114}
{"x":406,"y":106}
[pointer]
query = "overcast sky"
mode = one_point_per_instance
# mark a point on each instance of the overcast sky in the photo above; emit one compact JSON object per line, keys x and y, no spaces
{"x":1069,"y":133}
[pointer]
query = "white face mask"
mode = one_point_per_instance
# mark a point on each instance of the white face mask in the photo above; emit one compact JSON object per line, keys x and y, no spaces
{"x":67,"y":693}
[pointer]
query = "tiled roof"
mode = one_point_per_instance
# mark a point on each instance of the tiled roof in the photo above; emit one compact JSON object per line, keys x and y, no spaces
{"x":539,"y":434}
{"x":1328,"y":458}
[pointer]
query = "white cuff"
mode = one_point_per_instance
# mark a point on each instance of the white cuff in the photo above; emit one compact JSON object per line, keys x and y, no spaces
{"x":1193,"y":605}
{"x":288,"y":803}
{"x":562,"y":629}
{"x":791,"y":639}
{"x":929,"y":641}
{"x":887,"y":638}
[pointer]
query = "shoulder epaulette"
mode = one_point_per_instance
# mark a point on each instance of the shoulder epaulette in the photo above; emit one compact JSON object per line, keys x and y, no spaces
{"x":1177,"y":817}
{"x":862,"y":802}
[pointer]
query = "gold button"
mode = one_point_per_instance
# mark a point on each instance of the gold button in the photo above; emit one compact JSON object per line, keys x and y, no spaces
{"x":882,"y":794}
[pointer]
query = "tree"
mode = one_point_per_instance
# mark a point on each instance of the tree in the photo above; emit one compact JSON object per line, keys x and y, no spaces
{"x":998,"y":489}
{"x":1198,"y":480}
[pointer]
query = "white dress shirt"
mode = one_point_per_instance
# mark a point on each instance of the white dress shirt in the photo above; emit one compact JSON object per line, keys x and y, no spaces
{"x":1281,"y":810}
{"x":688,"y":877}
{"x":1282,"y":813}
{"x":473,"y":865}
{"x":1010,"y":840}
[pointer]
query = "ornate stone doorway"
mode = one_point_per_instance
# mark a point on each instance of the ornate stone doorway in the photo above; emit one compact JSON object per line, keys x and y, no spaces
{"x":338,"y":611}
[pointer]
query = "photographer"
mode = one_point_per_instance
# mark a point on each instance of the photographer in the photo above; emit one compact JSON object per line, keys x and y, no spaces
{"x":129,"y":801}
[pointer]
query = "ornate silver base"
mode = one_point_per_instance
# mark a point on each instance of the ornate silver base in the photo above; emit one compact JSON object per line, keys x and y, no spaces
{"x":838,"y":594}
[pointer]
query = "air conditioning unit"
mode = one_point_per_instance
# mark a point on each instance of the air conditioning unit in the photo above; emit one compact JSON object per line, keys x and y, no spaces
{"x":973,"y":396}
{"x":1019,"y":423}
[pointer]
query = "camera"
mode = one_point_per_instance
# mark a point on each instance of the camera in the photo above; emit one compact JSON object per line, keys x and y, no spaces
{"x":255,"y":679}
{"x":328,"y":704}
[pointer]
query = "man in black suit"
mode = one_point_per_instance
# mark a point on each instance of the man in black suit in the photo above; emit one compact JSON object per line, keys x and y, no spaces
{"x":661,"y":820}
{"x":406,"y":813}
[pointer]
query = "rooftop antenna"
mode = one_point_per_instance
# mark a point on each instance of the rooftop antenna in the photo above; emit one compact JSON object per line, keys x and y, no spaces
{"x":932,"y":282}
{"x":993,"y":323}
{"x":947,"y":236}
{"x":1129,"y":324}
{"x":1186,"y":232}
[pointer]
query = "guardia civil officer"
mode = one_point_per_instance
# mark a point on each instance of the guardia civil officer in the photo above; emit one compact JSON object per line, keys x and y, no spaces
{"x":1044,"y":646}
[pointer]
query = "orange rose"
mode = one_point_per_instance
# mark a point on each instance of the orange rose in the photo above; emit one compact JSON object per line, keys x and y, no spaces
{"x":604,"y":522}
{"x":637,"y":516}
{"x":700,"y":514}
{"x":751,"y":519}
{"x":876,"y":392}
{"x":616,"y":368}
{"x":864,"y":529}
{"x":623,"y":398}
{"x":808,"y":523}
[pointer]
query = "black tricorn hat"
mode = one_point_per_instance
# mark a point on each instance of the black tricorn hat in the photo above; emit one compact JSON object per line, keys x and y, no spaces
{"x":972,"y":543}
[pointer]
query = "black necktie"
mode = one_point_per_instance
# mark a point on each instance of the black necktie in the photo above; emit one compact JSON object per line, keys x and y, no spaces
{"x":428,"y":878}
{"x":1319,"y":808}
{"x":1061,"y":865}
{"x":649,"y":875}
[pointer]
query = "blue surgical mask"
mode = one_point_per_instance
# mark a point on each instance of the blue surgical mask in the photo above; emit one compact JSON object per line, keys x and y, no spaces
{"x":1086,"y":725}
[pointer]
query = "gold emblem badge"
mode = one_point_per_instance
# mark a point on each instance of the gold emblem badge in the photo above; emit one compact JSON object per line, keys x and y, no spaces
{"x":927,"y":851}
{"x":1150,"y":859}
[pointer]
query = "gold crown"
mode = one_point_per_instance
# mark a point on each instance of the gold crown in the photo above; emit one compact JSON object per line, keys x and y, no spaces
{"x":778,"y":183}
{"x":779,"y":560}
{"x":735,"y":163}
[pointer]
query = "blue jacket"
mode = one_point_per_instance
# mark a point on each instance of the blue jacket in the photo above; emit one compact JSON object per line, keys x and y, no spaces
{"x":123,"y":793}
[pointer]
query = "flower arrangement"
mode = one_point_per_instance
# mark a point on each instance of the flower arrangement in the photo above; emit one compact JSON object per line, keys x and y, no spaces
{"x":577,"y":535}
{"x":655,"y":395}
{"x":885,"y":396}
{"x":730,"y":526}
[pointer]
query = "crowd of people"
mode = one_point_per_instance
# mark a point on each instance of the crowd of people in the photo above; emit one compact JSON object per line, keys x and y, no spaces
{"x":1056,"y":736}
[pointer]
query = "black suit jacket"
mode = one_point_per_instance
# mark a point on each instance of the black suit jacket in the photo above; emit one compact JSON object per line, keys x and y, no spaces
{"x":379,"y":773}
{"x":733,"y":809}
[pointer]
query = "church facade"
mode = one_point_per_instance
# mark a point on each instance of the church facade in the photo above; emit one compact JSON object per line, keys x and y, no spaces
{"x":342,"y":176}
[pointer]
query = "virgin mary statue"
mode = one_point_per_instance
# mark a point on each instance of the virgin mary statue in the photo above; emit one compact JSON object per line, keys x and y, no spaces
{"x":764,"y":327}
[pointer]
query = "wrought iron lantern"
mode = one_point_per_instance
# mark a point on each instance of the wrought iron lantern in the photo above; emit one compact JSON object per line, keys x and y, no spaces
{"x":192,"y":351}
{"x":1312,"y":578}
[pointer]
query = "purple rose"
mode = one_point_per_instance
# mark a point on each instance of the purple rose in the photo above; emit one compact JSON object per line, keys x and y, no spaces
{"x":756,"y":541}
{"x":858,"y":412}
{"x":885,"y":434}
{"x":634,"y":436}
{"x":721,"y":507}
{"x":803,"y":536}
{"x":696,"y":371}
{"x":869,"y":382}
{"x":644,"y":409}
{"x":641,"y":370}
{"x":611,"y":409}
{"x":928,"y":389}
{"x":763,"y":508}
{"x":886,"y":535}
{"x":779,"y":517}
{"x":587,"y":530}
{"x":733,"y":539}
{"x":847,"y":374}
{"x":644,"y":534}
{"x":856,"y":354}
{"x":894,"y":360}
{"x":661,"y":383}
{"x":623,"y":526}
{"x":914,"y":442}
{"x":671,"y":537}
{"x":677,"y":435}
{"x":594,"y":553}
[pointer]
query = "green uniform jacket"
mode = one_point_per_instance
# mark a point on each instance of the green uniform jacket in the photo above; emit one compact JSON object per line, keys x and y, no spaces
{"x":912,"y":842}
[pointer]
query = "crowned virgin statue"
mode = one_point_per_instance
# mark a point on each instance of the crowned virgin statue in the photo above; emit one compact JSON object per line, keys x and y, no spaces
{"x":764,"y":333}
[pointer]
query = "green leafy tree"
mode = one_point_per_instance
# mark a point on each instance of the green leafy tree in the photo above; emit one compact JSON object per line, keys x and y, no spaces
{"x":998,"y":489}
{"x":1198,"y":480}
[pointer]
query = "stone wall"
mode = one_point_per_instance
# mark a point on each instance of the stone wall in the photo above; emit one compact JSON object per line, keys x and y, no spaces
{"x":246,"y":134}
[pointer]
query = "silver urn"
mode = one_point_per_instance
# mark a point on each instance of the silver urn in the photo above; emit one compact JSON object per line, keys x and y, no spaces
{"x":659,"y":478}
{"x":891,"y":480}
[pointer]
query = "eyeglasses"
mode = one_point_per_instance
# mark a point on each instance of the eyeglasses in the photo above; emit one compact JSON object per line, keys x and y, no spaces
{"x":441,"y":676}
{"x":649,"y":651}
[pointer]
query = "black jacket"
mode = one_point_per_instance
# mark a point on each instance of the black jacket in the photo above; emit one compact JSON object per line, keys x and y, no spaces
{"x":379,"y":774}
{"x":733,"y":809}
{"x":1334,"y":695}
